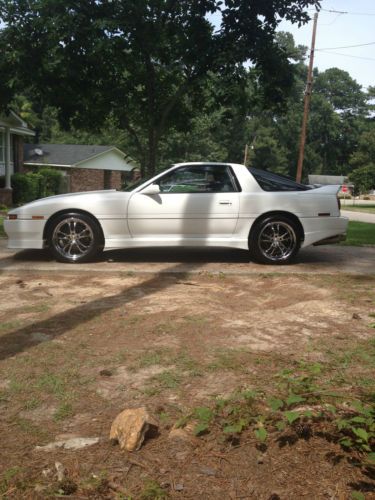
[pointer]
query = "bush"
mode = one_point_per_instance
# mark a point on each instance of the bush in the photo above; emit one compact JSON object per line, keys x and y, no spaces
{"x":34,"y":185}
{"x":52,"y":180}
{"x":26,"y":187}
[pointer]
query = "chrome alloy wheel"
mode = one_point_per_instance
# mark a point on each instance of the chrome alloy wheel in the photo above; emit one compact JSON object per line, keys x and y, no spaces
{"x":73,"y":238}
{"x":277,"y":241}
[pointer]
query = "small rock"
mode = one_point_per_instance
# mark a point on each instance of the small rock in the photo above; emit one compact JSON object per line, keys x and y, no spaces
{"x":69,"y":444}
{"x":179,"y":487}
{"x":207,"y":471}
{"x":130,"y":427}
{"x":60,"y":470}
{"x":356,"y":316}
{"x":39,"y":488}
{"x":181,"y":455}
{"x":40,"y":337}
{"x":105,"y":373}
{"x":46,"y":472}
{"x":182,"y":434}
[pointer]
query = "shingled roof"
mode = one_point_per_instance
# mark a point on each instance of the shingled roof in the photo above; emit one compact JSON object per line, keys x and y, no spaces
{"x":62,"y":154}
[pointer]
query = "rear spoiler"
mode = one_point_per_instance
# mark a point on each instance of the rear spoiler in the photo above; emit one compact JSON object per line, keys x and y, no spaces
{"x":332,"y":189}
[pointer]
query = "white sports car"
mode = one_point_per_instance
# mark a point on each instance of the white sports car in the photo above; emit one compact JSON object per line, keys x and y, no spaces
{"x":190,"y":204}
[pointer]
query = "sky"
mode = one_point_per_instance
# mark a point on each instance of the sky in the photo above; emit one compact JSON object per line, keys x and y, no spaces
{"x":340,"y":30}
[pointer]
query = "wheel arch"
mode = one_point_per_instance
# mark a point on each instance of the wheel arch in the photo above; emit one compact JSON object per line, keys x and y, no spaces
{"x":276,"y":213}
{"x":49,"y":224}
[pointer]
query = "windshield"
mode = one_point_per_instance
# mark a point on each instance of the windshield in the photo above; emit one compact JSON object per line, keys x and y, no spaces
{"x":135,"y":184}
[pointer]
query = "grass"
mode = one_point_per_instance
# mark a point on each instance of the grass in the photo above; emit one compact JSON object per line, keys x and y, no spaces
{"x":2,"y":232}
{"x":368,"y":209}
{"x":360,"y":233}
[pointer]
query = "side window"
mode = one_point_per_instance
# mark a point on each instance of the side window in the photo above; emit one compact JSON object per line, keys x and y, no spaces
{"x":198,"y":179}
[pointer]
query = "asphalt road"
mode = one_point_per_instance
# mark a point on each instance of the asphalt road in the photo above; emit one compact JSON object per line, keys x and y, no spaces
{"x":329,"y":259}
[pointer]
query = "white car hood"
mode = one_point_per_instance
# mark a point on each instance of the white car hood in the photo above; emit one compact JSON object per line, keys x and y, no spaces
{"x":98,"y":203}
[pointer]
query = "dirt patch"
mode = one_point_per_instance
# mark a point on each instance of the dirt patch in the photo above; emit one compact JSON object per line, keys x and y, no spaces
{"x":76,"y":350}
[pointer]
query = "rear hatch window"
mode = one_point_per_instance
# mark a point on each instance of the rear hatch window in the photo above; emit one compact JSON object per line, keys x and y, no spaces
{"x":269,"y":181}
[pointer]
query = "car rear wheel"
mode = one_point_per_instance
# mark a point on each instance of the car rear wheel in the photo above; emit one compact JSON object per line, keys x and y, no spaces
{"x":274,"y":240}
{"x":75,"y":238}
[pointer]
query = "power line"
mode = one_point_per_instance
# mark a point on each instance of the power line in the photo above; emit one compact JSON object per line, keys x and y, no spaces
{"x":347,"y":46}
{"x":347,"y":55}
{"x":334,"y":20}
{"x":350,"y":13}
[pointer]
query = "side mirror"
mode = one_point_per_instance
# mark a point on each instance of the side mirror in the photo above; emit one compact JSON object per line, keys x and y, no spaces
{"x":151,"y":189}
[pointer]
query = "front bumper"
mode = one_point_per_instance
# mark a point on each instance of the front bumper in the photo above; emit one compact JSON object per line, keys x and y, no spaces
{"x":23,"y":233}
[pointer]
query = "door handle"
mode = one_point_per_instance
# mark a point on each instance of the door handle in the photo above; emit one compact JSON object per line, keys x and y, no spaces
{"x":225,"y":202}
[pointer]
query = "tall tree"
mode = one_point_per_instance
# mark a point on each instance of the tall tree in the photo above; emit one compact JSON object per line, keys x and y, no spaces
{"x":137,"y":59}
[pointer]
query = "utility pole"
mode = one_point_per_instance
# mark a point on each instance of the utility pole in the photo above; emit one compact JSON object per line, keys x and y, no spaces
{"x":306,"y":103}
{"x":245,"y":155}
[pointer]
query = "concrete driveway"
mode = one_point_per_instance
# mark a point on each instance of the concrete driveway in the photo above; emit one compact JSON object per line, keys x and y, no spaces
{"x":329,"y":259}
{"x":359,"y":216}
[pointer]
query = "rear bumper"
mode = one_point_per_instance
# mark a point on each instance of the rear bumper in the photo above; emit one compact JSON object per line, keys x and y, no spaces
{"x":331,"y":240}
{"x":323,"y":229}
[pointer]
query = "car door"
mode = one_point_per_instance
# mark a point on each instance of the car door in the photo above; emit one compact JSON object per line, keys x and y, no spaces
{"x":195,"y":201}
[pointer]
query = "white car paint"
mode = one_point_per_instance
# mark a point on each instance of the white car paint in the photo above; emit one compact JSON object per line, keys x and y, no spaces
{"x":134,"y":219}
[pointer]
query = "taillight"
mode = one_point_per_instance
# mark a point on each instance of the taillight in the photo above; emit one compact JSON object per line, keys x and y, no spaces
{"x":12,"y":216}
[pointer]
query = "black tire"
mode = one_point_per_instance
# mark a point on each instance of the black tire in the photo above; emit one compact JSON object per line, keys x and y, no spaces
{"x":274,"y":240}
{"x":74,"y":238}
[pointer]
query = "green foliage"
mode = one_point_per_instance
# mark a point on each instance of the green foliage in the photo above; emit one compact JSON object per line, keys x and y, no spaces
{"x":2,"y":232}
{"x":34,"y":185}
{"x":303,"y":398}
{"x":363,"y":178}
{"x":153,"y":491}
{"x":26,"y":187}
{"x":7,"y":477}
{"x":165,"y":50}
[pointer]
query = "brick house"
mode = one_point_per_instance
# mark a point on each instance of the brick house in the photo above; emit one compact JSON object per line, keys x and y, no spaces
{"x":84,"y":167}
{"x":13,"y":130}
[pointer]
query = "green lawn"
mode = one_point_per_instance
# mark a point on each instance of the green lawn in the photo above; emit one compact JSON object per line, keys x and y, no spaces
{"x":360,"y":233}
{"x":369,"y":209}
{"x":2,"y":233}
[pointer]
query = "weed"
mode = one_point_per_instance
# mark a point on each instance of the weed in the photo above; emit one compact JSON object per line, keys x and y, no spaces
{"x":231,"y":359}
{"x":195,"y":319}
{"x":6,"y":479}
{"x":65,"y":410}
{"x":38,"y":308}
{"x":153,"y":491}
{"x":167,"y":379}
{"x":157,"y":357}
{"x":165,"y":328}
{"x":150,"y":391}
{"x":186,"y":363}
{"x":121,"y":356}
{"x":32,"y":403}
{"x":10,"y":325}
{"x":51,"y":383}
{"x":28,"y":427}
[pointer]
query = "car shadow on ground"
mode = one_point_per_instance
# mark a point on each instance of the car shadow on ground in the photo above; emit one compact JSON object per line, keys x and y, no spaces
{"x":316,"y":255}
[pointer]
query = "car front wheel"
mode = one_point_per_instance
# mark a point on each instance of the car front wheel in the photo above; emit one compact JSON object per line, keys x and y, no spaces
{"x":274,"y":240}
{"x":74,"y":238}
